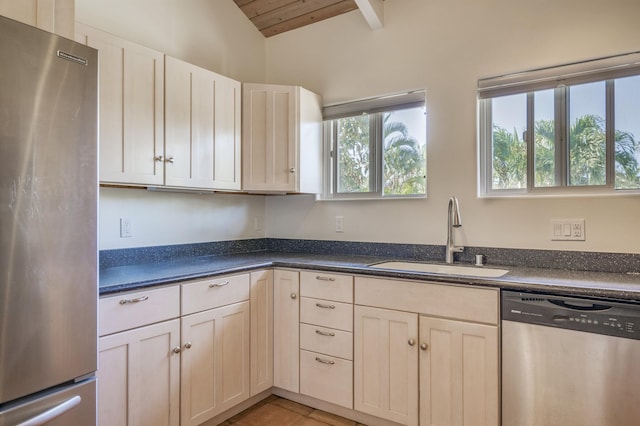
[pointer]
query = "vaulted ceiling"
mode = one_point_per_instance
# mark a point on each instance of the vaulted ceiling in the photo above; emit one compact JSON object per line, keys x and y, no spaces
{"x":273,"y":17}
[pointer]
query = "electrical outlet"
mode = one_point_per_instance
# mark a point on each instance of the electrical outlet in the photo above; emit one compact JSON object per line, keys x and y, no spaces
{"x":257,"y":223}
{"x":125,"y":228}
{"x":339,"y":223}
{"x":568,"y":230}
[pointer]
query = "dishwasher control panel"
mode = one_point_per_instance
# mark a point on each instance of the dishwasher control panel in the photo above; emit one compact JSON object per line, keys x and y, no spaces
{"x":611,"y":318}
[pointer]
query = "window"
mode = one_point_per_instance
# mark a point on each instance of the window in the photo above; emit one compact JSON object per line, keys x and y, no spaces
{"x":376,"y":148}
{"x":571,"y":129}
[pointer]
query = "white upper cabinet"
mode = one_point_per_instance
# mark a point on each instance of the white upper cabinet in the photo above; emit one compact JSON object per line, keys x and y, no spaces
{"x":131,"y":106}
{"x":202,"y":128}
{"x":55,"y":16}
{"x":282,"y":139}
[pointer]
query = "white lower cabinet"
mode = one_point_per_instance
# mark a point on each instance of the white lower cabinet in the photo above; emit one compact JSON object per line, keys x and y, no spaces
{"x":286,"y":330}
{"x":412,"y":368}
{"x":215,"y":362}
{"x":261,"y":331}
{"x":386,"y":364}
{"x":458,"y":373}
{"x":139,"y":376}
{"x":412,"y":353}
{"x":215,"y":347}
{"x":139,"y":359}
{"x":158,"y":368}
{"x":326,"y":337}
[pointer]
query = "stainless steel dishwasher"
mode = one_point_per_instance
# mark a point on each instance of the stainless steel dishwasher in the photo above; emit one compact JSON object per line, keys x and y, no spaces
{"x":569,"y":361}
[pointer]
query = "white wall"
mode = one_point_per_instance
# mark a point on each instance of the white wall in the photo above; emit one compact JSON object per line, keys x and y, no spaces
{"x":445,"y":46}
{"x":213,"y":34}
{"x":159,"y":218}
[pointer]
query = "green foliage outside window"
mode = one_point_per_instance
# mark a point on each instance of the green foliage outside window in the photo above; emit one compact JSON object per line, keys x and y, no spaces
{"x":587,"y":156}
{"x":403,"y":157}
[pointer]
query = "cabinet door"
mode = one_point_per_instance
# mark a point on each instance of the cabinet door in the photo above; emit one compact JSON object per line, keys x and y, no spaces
{"x":131,"y":92}
{"x":270,"y":129}
{"x":458,"y":373}
{"x":386,"y":364}
{"x":261,"y":331}
{"x":55,"y":16}
{"x":139,"y":376}
{"x":286,"y":335}
{"x":202,"y":116}
{"x":215,"y":362}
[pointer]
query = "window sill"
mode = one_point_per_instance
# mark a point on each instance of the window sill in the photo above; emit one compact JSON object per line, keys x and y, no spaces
{"x":372,"y":198}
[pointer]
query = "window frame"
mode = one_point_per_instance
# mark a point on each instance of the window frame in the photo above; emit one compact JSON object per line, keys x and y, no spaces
{"x":560,"y":79}
{"x":375,"y":108}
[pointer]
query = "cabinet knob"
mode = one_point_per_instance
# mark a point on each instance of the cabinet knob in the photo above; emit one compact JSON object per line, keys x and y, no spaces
{"x":293,"y":295}
{"x":159,"y":158}
{"x":176,"y":350}
{"x":412,"y":342}
{"x":292,"y":170}
{"x":424,"y":346}
{"x":187,"y":345}
{"x":168,"y":160}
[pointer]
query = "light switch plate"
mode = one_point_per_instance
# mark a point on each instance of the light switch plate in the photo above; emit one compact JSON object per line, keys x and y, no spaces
{"x":568,"y":230}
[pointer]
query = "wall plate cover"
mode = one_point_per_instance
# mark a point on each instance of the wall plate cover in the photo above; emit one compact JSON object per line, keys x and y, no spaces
{"x":568,"y":230}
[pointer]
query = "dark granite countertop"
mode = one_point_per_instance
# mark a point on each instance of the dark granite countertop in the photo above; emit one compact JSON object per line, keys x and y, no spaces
{"x":113,"y":279}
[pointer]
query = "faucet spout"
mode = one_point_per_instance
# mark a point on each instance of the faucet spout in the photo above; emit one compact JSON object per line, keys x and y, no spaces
{"x":453,"y":221}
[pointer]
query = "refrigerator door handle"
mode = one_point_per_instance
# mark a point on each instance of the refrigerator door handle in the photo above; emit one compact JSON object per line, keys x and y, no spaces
{"x":54,"y":412}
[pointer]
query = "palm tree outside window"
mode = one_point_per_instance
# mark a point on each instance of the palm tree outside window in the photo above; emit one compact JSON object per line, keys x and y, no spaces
{"x":580,"y":138}
{"x":379,"y":152}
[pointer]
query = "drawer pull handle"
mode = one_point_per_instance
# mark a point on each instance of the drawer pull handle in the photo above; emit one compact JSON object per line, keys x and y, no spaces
{"x":176,"y":350}
{"x":139,"y":299}
{"x":424,"y":346}
{"x":412,"y":342}
{"x":321,"y":278}
{"x":293,"y":295}
{"x":222,"y":284}
{"x":325,"y":333}
{"x":324,"y":361}
{"x":187,"y":345}
{"x":323,"y":306}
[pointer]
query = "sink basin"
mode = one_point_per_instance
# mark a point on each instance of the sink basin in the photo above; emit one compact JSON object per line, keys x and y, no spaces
{"x":434,"y":268}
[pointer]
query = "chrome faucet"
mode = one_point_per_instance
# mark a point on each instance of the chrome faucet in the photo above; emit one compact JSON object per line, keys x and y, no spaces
{"x":453,"y":221}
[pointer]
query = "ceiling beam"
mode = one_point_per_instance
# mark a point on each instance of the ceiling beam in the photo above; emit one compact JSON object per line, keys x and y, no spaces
{"x":373,"y":12}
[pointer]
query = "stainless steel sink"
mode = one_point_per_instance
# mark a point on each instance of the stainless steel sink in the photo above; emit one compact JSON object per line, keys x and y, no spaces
{"x":435,"y":268}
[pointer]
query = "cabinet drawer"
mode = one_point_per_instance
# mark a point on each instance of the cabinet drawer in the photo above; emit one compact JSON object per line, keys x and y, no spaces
{"x":321,"y":285}
{"x":212,"y":293}
{"x":326,"y":313}
{"x":327,"y":378}
{"x":131,"y":310}
{"x":326,"y":341}
{"x":442,"y":300}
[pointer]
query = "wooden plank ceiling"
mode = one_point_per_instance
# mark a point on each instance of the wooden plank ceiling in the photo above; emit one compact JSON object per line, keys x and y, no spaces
{"x":273,"y":17}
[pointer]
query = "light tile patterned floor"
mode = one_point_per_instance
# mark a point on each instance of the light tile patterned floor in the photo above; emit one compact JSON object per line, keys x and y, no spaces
{"x":276,"y":411}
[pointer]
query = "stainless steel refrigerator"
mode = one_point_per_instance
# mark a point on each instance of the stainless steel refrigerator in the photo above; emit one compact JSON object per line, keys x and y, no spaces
{"x":48,"y":228}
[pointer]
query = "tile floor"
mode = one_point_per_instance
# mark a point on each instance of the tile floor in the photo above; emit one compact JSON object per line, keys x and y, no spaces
{"x":276,"y":411}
